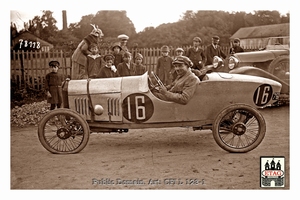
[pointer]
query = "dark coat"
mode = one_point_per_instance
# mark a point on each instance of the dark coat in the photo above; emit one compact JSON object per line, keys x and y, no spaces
{"x":53,"y":82}
{"x":236,"y":49}
{"x":106,"y":72}
{"x":123,"y":69}
{"x":118,"y":58}
{"x":211,"y":51}
{"x":164,"y":69}
{"x":93,"y":67}
{"x":140,"y":69}
{"x":195,"y":56}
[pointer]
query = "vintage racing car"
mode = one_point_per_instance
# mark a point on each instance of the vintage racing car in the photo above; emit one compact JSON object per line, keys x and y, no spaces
{"x":224,"y":103}
{"x":272,"y":62}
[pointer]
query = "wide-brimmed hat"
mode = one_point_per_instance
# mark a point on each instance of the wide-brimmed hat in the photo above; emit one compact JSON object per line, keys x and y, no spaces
{"x":116,"y":45}
{"x":181,"y":60}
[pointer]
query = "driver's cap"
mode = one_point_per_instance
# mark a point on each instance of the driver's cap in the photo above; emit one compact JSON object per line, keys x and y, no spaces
{"x":181,"y":60}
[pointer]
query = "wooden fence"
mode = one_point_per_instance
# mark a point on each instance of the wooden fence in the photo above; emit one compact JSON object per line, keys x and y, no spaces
{"x":28,"y":69}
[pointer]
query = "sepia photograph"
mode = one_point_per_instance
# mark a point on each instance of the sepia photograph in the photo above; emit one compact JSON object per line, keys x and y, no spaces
{"x":150,"y":97}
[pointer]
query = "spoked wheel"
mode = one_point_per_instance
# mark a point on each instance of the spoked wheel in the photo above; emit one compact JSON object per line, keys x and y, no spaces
{"x":63,"y":131}
{"x":280,"y":67}
{"x":239,"y":128}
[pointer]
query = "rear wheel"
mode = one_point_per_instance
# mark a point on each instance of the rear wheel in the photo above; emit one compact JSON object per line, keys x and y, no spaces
{"x":239,"y":128}
{"x":63,"y":131}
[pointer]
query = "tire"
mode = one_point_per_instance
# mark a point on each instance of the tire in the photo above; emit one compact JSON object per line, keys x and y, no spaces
{"x":63,"y":131}
{"x":280,"y":66}
{"x":239,"y":128}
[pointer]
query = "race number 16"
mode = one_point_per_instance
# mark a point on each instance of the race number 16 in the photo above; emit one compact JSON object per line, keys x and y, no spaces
{"x":137,"y":108}
{"x":262,"y":95}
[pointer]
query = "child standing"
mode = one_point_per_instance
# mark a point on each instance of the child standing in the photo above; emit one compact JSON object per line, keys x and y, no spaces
{"x":53,"y":86}
{"x":164,"y":68}
{"x":196,"y":54}
{"x":94,"y":63}
{"x":126,"y":68}
{"x":117,"y":54}
{"x":140,"y":68}
{"x":179,"y":52}
{"x":109,"y":70}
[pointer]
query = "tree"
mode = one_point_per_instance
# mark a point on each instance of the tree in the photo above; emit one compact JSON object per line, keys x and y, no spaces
{"x":82,"y":28}
{"x":114,"y":23}
{"x":44,"y":26}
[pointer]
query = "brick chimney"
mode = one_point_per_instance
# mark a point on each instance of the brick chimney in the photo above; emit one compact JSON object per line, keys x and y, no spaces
{"x":64,"y":19}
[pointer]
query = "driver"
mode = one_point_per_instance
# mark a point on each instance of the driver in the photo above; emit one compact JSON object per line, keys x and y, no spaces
{"x":183,"y":87}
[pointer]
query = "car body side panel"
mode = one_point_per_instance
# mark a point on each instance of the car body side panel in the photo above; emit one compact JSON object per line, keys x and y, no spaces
{"x":259,"y":56}
{"x":134,"y":103}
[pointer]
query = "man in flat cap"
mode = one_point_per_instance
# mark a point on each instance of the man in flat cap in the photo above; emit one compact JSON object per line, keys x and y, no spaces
{"x":236,"y":48}
{"x":123,"y":39}
{"x":183,"y":87}
{"x":196,"y":54}
{"x":214,"y":50}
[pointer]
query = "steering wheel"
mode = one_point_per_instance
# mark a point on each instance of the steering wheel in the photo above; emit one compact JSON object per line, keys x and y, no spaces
{"x":159,"y":82}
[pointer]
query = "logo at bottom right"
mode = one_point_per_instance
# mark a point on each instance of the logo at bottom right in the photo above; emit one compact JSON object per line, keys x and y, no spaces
{"x":272,"y":171}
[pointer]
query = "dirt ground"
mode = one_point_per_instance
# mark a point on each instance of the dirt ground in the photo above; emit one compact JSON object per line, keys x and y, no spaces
{"x":171,"y":158}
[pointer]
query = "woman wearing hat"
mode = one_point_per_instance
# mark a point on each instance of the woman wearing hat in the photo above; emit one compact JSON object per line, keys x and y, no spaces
{"x":184,"y":86}
{"x":79,"y":57}
{"x":116,"y":48}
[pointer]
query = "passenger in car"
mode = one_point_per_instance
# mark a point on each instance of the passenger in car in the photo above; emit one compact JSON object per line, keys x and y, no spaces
{"x":140,"y":67}
{"x":127,"y":67}
{"x":94,"y":63}
{"x":236,"y":48}
{"x":183,"y":87}
{"x":109,"y":70}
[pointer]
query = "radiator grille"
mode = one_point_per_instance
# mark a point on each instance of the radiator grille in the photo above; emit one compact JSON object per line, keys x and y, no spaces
{"x":82,"y":106}
{"x":113,"y":106}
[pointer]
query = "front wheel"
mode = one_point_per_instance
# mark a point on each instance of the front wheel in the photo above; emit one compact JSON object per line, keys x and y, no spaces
{"x":63,"y":131}
{"x":239,"y":128}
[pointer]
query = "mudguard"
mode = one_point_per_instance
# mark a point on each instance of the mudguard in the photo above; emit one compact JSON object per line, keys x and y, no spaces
{"x":253,"y":71}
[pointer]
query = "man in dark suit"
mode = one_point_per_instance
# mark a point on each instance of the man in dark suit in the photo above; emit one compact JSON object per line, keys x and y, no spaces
{"x":214,"y":50}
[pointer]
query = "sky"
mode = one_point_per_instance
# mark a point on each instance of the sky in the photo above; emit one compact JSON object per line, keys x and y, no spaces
{"x":150,"y":13}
